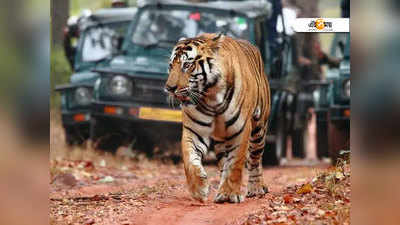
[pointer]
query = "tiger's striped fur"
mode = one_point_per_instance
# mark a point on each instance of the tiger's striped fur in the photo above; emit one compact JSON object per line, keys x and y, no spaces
{"x":225,"y":100}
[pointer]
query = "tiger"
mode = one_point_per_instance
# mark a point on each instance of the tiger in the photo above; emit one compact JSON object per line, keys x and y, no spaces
{"x":224,"y":95}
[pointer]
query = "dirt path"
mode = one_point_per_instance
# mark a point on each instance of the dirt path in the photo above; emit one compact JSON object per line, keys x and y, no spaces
{"x":184,"y":211}
{"x":156,"y":194}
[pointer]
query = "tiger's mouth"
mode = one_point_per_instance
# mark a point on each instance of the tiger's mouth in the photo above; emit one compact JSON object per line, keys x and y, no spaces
{"x":184,"y":96}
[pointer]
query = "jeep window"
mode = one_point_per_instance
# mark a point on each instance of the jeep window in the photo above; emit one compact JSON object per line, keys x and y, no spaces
{"x":341,"y":45}
{"x":166,"y":27}
{"x":99,"y":42}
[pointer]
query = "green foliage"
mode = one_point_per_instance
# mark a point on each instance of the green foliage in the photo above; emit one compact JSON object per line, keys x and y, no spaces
{"x":78,"y":5}
{"x":60,"y":71}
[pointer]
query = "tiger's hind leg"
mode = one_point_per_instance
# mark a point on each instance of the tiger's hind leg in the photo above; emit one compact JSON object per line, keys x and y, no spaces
{"x":255,"y":186}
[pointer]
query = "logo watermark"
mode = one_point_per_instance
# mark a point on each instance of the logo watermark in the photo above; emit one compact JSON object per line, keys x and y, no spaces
{"x":327,"y":25}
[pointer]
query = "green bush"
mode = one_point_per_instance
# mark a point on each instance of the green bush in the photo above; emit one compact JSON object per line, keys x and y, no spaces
{"x":60,"y":71}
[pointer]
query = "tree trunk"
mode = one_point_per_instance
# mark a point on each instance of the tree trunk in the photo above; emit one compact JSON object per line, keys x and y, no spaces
{"x":59,"y":17}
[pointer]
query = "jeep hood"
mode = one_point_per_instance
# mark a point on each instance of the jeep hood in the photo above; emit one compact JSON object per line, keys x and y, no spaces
{"x":141,"y":64}
{"x":86,"y":77}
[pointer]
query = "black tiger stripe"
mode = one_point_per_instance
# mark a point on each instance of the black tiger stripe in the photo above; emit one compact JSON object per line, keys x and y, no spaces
{"x":256,"y":130}
{"x":255,"y":157}
{"x":210,"y":85}
{"x":200,"y":40}
{"x":218,"y":142}
{"x":230,"y":158}
{"x":236,"y":134}
{"x":206,"y":107}
{"x":198,"y":151}
{"x":258,"y":140}
{"x":231,"y":149}
{"x":196,"y":75}
{"x":201,"y":63}
{"x":226,"y":102}
{"x":197,"y":135}
{"x":209,"y":63}
{"x":203,"y":111}
{"x":234,"y":119}
{"x":220,"y":155}
{"x":253,"y":165}
{"x":257,"y":152}
{"x":201,"y":123}
{"x":226,"y":96}
{"x":255,"y":175}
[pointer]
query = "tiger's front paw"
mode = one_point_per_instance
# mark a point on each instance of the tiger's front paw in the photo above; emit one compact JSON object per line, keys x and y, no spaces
{"x":229,"y":197}
{"x":200,"y":193}
{"x":258,"y":190}
{"x":198,"y":185}
{"x":229,"y":192}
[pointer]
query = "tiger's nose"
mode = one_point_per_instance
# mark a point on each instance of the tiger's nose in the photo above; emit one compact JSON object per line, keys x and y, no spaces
{"x":170,"y":89}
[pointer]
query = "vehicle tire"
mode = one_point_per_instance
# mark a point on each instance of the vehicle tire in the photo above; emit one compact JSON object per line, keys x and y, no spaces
{"x":299,"y":141}
{"x":72,"y":137}
{"x":322,"y":135}
{"x":338,"y":139}
{"x":103,"y":137}
{"x":281,"y":138}
{"x":269,"y":156}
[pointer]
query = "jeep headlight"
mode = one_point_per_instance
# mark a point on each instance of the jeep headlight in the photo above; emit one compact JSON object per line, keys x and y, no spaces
{"x":83,"y":96}
{"x":120,"y":85}
{"x":346,"y":88}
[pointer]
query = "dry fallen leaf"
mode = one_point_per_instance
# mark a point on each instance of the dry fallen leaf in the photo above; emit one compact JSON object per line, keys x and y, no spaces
{"x":339,"y":175}
{"x":107,"y":179}
{"x":288,"y":199}
{"x":306,"y":188}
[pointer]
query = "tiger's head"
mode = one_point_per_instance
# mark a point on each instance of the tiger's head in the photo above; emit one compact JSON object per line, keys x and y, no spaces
{"x":193,"y":69}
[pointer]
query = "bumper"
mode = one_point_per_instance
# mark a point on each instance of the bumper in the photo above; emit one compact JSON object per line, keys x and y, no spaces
{"x":339,"y":113}
{"x":128,"y":120}
{"x":76,"y":118}
{"x":137,"y":113}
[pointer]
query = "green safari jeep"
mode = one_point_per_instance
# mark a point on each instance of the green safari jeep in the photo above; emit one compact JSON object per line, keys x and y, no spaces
{"x":100,"y":36}
{"x":332,"y":103}
{"x":130,"y":104}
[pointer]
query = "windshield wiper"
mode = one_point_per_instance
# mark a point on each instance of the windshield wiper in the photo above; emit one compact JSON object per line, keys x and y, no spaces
{"x":97,"y":62}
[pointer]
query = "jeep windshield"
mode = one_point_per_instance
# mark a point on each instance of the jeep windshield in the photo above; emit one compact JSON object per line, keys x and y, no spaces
{"x":163,"y":28}
{"x":101,"y":41}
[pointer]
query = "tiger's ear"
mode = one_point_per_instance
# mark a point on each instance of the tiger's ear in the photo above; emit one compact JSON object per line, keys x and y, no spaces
{"x":181,"y":39}
{"x":218,"y":37}
{"x":216,"y":42}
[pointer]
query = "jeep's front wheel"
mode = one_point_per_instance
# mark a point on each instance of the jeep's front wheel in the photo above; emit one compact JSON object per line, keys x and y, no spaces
{"x":74,"y":136}
{"x":322,"y":135}
{"x":338,"y":139}
{"x":103,"y":137}
{"x":281,"y":139}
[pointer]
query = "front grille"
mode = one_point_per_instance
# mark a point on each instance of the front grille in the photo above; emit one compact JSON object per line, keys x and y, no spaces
{"x":144,"y":91}
{"x":149,"y":90}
